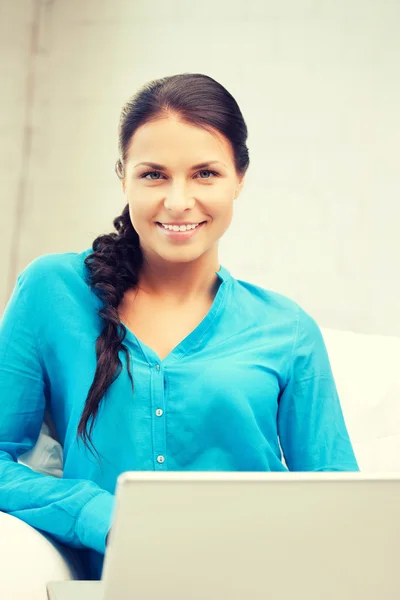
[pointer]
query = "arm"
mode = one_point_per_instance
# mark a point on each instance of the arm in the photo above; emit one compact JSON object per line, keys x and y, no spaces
{"x":311,"y":425}
{"x":75,"y":512}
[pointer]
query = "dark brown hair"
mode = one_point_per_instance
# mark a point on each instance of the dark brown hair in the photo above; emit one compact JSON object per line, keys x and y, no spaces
{"x":115,"y":262}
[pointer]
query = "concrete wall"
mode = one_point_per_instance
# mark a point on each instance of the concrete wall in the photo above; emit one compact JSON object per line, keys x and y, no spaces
{"x":18,"y":30}
{"x":318,"y":85}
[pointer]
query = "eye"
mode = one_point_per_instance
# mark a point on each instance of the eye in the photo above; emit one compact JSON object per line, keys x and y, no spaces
{"x":145,"y":175}
{"x":208,"y":171}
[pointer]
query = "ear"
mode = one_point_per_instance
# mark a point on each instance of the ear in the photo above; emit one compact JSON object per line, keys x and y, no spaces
{"x":120,"y":171}
{"x":239,"y":187}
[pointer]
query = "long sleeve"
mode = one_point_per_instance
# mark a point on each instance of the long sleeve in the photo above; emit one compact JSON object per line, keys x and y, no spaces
{"x":311,"y":424}
{"x":76,"y":512}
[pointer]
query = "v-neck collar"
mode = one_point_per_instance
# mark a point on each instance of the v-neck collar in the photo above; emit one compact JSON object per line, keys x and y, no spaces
{"x":152,"y":358}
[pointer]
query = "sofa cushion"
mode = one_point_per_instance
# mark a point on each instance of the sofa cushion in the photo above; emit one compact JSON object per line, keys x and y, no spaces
{"x":367,"y":374}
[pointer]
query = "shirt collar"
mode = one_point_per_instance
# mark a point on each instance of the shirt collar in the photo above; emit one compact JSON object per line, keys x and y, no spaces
{"x":223,"y":274}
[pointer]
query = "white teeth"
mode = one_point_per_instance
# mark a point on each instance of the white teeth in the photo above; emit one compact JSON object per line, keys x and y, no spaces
{"x":180,"y":227}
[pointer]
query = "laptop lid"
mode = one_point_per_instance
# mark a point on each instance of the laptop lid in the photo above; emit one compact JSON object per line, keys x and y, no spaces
{"x":217,"y":535}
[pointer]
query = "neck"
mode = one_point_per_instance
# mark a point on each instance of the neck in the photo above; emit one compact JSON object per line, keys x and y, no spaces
{"x":180,"y":282}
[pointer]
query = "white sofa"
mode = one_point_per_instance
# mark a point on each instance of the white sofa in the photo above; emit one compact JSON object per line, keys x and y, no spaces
{"x":367,"y":374}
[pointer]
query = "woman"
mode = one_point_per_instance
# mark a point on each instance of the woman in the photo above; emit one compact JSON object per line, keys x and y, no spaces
{"x":149,"y":351}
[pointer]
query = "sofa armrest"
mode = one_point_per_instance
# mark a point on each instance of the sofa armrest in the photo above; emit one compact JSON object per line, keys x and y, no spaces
{"x":30,"y":559}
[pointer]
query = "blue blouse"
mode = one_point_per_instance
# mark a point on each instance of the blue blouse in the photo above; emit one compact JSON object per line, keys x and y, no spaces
{"x":251,"y":379}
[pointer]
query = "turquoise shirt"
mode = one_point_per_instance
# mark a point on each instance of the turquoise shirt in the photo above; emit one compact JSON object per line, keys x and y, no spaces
{"x":253,"y":377}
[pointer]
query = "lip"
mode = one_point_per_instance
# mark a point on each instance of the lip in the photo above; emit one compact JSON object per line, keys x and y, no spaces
{"x":181,"y":223}
{"x":180,"y":235}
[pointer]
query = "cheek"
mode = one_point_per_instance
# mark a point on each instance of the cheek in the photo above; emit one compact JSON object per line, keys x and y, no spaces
{"x":221,"y":207}
{"x":138,"y":217}
{"x":139,"y":206}
{"x":228,"y":215}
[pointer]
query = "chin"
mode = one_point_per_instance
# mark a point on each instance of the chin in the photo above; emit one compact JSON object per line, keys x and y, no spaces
{"x":181,"y":257}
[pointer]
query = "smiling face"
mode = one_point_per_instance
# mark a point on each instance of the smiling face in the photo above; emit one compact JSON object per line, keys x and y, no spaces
{"x":192,"y":179}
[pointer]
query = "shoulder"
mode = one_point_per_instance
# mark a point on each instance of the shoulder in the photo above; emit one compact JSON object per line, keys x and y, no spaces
{"x":306,"y":349}
{"x":260,"y":298}
{"x":269,"y":304}
{"x":54,"y":269}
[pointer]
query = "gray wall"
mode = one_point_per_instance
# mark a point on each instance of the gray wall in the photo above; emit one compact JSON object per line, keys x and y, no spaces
{"x":319,"y":87}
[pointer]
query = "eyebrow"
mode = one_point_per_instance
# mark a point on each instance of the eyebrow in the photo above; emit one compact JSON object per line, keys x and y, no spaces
{"x":162,"y":167}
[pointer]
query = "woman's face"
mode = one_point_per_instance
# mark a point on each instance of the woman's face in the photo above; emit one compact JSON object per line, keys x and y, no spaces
{"x":176,"y":190}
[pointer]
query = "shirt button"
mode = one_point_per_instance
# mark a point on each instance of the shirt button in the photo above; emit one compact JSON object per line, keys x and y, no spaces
{"x":158,"y":367}
{"x":159,"y":412}
{"x":160,"y":459}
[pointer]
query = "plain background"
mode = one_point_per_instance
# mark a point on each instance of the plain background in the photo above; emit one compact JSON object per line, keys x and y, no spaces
{"x":318,"y":83}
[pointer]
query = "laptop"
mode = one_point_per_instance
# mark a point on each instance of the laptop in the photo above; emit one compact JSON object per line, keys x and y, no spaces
{"x":230,"y":536}
{"x":217,"y":536}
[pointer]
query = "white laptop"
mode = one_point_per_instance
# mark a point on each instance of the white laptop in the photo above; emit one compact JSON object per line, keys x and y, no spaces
{"x":253,"y":536}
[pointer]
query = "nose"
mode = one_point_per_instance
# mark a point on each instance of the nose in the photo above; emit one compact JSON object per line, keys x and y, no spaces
{"x":178,"y":200}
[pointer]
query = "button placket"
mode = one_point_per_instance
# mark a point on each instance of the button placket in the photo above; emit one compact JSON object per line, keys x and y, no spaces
{"x":158,"y":404}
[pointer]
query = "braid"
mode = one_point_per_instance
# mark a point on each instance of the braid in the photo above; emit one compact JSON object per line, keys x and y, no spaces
{"x":113,"y":267}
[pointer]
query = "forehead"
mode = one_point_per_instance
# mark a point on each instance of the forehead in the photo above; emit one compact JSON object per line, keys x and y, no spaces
{"x":167,"y":139}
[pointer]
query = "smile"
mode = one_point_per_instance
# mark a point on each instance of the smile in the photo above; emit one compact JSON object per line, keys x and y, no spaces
{"x":180,"y":231}
{"x":180,"y":227}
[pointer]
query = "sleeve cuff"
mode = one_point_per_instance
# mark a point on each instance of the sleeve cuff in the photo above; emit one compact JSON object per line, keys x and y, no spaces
{"x":95,"y":520}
